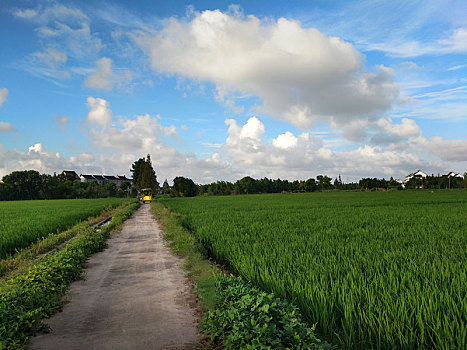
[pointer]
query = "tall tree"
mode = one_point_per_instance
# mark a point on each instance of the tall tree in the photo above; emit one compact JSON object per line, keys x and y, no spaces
{"x":136,"y":171}
{"x":166,"y":187}
{"x":147,"y":176}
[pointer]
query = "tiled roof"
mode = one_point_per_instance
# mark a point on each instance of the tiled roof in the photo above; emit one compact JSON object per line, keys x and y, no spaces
{"x":106,"y":177}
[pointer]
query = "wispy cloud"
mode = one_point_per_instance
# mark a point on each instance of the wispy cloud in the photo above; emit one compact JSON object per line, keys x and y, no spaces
{"x":62,"y":122}
{"x":398,"y":28}
{"x":104,"y":78}
{"x":212,"y":144}
{"x":65,"y":37}
{"x":3,"y":96}
{"x":25,"y":13}
{"x":447,"y":94}
{"x":6,"y":127}
{"x":460,"y":66}
{"x":45,"y":14}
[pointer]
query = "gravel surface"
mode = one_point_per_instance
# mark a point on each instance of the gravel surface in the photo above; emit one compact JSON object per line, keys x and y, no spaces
{"x":134,"y":296}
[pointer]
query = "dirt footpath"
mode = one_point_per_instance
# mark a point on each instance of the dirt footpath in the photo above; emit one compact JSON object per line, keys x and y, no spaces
{"x":135,"y":296}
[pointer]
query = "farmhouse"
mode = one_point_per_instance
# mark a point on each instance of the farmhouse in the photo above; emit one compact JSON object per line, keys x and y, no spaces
{"x":70,"y":175}
{"x":418,"y":173}
{"x":105,"y":179}
{"x":453,"y":174}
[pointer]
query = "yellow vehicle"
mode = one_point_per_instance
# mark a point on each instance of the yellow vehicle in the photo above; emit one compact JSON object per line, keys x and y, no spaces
{"x":146,"y":195}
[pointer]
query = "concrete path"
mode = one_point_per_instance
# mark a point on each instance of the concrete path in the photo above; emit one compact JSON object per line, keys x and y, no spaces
{"x":135,"y":296}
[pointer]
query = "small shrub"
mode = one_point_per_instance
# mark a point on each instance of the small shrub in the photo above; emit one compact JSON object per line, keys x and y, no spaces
{"x":247,"y":318}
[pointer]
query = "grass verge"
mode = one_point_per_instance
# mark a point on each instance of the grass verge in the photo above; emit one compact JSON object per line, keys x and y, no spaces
{"x":238,"y":315}
{"x":183,"y":244}
{"x":35,"y":292}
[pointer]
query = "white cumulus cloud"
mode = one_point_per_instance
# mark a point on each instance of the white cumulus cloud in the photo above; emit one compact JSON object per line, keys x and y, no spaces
{"x":36,"y":158}
{"x":100,"y":112}
{"x":300,"y":74}
{"x":122,"y":141}
{"x":407,"y":127}
{"x":303,"y":156}
{"x":286,"y":140}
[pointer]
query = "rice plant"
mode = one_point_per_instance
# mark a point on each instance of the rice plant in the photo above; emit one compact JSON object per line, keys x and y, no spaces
{"x":372,"y":270}
{"x":25,"y":222}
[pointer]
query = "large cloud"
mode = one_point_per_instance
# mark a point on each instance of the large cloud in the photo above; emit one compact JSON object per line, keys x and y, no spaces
{"x":299,"y":73}
{"x":246,"y":151}
{"x":120,"y":142}
{"x":298,"y":157}
{"x":124,"y":140}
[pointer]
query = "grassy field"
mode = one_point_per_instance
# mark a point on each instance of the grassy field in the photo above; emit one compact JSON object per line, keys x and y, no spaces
{"x":377,"y":270}
{"x":25,"y":222}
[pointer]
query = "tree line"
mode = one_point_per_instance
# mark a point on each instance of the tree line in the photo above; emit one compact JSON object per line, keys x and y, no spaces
{"x":185,"y":187}
{"x":30,"y":184}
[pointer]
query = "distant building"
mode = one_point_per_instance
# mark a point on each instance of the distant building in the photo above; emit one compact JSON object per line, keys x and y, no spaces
{"x":70,"y":175}
{"x":87,"y":178}
{"x":453,"y":174}
{"x":105,"y":179}
{"x":418,"y":173}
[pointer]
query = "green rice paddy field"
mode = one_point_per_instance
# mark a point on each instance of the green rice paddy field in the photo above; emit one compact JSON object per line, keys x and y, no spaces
{"x":25,"y":222}
{"x":382,"y":270}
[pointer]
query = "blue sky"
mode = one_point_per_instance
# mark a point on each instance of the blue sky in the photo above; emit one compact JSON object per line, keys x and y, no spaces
{"x":216,"y":90}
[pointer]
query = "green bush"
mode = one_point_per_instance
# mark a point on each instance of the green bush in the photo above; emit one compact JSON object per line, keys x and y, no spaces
{"x":247,"y":318}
